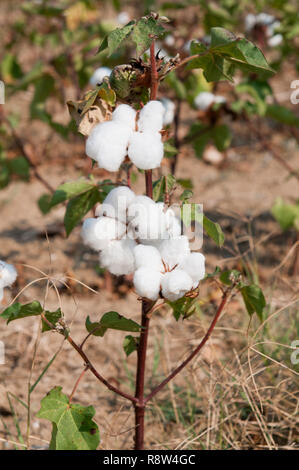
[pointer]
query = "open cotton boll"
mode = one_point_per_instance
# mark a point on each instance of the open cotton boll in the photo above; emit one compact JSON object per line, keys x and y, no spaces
{"x":148,"y":224}
{"x":146,"y":150}
{"x":173,"y":224}
{"x":147,"y":256}
{"x":139,"y":206}
{"x":8,"y":274}
{"x":116,"y":203}
{"x":126,"y":115}
{"x":174,"y":250}
{"x":118,"y":257}
{"x":98,"y":75}
{"x":194,"y":265}
{"x":176,"y":284}
{"x":147,"y":283}
{"x":275,"y":40}
{"x":204,"y":100}
{"x":169,"y":109}
{"x":151,"y":117}
{"x":107,"y":144}
{"x":97,"y":233}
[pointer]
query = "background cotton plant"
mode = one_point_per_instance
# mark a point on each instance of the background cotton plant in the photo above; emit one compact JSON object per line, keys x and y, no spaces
{"x":8,"y":275}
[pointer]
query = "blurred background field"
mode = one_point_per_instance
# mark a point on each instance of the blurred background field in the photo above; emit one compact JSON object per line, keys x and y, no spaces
{"x":242,"y":391}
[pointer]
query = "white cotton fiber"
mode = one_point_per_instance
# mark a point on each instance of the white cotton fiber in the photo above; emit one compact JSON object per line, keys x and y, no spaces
{"x":98,"y":75}
{"x":194,"y":265}
{"x":118,"y":257}
{"x":8,"y":274}
{"x":125,"y":115}
{"x":1,"y":293}
{"x":147,"y":256}
{"x":173,"y":224}
{"x":147,"y":283}
{"x":176,"y":284}
{"x":169,"y":109}
{"x":107,"y":144}
{"x":174,"y":250}
{"x":146,"y":150}
{"x":204,"y":100}
{"x":97,"y":233}
{"x":148,"y":222}
{"x":151,"y":117}
{"x":116,"y":203}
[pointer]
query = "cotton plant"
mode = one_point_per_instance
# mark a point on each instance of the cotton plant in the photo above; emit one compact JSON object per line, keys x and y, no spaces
{"x":269,"y":23}
{"x":136,"y":234}
{"x":8,"y":275}
{"x":205,"y":99}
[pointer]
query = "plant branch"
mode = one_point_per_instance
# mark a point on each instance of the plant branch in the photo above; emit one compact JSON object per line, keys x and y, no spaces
{"x":89,"y":365}
{"x":194,"y":352}
{"x":77,"y":383}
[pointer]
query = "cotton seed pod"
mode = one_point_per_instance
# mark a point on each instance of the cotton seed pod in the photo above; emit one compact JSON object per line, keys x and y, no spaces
{"x":98,"y":75}
{"x":147,"y":256}
{"x":116,"y":203}
{"x":151,"y":117}
{"x":147,"y":283}
{"x":176,"y":284}
{"x":107,"y":144}
{"x":125,"y":115}
{"x":8,"y":274}
{"x":173,"y":251}
{"x":194,"y":265}
{"x":97,"y":233}
{"x":146,"y":150}
{"x":118,"y":257}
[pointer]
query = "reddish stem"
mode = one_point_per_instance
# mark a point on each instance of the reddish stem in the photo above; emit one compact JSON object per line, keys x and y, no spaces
{"x":193,"y":354}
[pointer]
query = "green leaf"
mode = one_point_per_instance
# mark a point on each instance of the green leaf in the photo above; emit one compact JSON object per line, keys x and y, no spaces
{"x":163,"y":184}
{"x":184,"y":307}
{"x":52,"y":317}
{"x":230,"y":277}
{"x":226,"y":53}
{"x":191,"y":212}
{"x":114,"y":39}
{"x":282,"y":114}
{"x":254,"y":300}
{"x":222,"y":136}
{"x":287,"y":215}
{"x":130,"y":344}
{"x":73,"y":427}
{"x":44,"y":203}
{"x":78,"y":207}
{"x":17,"y":310}
{"x":214,"y":230}
{"x":112,"y":320}
{"x":69,"y":190}
{"x":144,"y":32}
{"x":20,"y":167}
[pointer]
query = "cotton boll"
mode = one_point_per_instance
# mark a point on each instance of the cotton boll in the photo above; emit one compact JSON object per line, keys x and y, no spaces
{"x":107,"y":144}
{"x":151,"y":117}
{"x":147,"y":283}
{"x":250,"y":21}
{"x":98,"y":75}
{"x":1,"y":293}
{"x":176,"y":284}
{"x":149,"y":223}
{"x":146,"y":150}
{"x":123,"y":17}
{"x":116,"y":203}
{"x":169,"y":109}
{"x":174,"y":250}
{"x":204,"y":100}
{"x":125,"y":115}
{"x":173,"y":224}
{"x":8,"y":274}
{"x":139,"y":206}
{"x":194,"y":265}
{"x":147,"y":256}
{"x":97,"y":233}
{"x":118,"y":257}
{"x":275,"y":40}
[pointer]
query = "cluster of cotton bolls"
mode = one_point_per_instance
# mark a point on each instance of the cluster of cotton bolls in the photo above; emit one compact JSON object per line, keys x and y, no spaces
{"x":269,"y":22}
{"x":8,"y":275}
{"x":205,"y":99}
{"x":98,"y":76}
{"x":136,"y":235}
{"x":111,"y":141}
